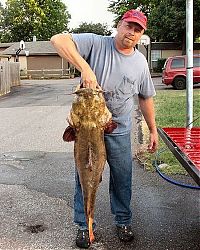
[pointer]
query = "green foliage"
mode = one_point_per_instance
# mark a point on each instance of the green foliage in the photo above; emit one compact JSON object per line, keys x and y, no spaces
{"x":166,"y":18}
{"x":167,"y":22}
{"x":160,"y":64}
{"x":22,"y":19}
{"x":97,"y":28}
{"x":1,"y":17}
{"x":197,"y":40}
{"x":119,"y":7}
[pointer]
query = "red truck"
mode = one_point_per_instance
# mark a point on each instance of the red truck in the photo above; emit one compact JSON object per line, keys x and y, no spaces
{"x":174,"y":71}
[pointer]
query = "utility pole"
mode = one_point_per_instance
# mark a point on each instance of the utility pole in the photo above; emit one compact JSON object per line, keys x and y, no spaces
{"x":189,"y":65}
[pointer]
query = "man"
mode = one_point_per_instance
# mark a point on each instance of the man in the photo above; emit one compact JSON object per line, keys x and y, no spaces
{"x":122,"y":72}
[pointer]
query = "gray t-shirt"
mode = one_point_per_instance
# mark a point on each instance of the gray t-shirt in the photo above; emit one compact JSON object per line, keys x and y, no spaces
{"x":120,"y":76}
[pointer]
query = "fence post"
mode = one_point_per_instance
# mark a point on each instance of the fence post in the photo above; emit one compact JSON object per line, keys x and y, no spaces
{"x":9,"y":76}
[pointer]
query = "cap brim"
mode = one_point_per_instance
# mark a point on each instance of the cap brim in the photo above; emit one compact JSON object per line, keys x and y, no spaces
{"x":134,"y":20}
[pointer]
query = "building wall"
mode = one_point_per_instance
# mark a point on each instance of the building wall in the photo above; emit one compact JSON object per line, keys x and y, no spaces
{"x":23,"y":62}
{"x":46,"y":65}
{"x":169,"y":53}
{"x":43,"y":62}
{"x":164,"y":54}
{"x":4,"y":59}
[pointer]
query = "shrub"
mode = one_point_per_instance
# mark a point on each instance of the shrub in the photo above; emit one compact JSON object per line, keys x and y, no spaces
{"x":160,"y":64}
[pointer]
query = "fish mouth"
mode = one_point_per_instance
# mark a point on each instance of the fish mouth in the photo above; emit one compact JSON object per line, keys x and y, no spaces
{"x":80,"y":90}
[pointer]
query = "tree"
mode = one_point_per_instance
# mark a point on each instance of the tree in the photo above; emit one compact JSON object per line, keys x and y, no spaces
{"x":167,"y":22}
{"x":166,"y":18}
{"x":1,"y":18}
{"x":97,"y":28}
{"x":22,"y":19}
{"x":119,"y":7}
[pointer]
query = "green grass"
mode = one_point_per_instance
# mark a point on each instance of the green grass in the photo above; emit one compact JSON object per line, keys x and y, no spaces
{"x":170,"y":106}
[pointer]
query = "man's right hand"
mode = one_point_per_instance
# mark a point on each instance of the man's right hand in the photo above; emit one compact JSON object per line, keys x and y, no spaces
{"x":88,"y":79}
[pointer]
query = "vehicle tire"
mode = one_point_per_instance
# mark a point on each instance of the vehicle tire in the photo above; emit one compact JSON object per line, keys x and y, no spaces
{"x":179,"y":83}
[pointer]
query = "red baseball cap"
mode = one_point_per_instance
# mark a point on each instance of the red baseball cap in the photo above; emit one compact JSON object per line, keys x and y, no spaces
{"x":135,"y":16}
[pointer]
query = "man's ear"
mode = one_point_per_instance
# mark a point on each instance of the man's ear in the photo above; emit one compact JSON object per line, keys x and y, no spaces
{"x":119,"y":23}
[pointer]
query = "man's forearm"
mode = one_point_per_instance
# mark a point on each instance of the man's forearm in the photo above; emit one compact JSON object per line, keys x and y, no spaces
{"x":66,"y":48}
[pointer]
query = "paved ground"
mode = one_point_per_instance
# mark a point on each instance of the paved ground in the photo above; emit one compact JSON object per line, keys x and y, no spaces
{"x":37,"y":179}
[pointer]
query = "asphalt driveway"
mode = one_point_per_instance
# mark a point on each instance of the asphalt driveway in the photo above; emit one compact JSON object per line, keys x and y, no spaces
{"x":37,"y":183}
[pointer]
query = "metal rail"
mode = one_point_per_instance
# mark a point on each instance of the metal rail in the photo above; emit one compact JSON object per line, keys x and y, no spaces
{"x":181,"y":156}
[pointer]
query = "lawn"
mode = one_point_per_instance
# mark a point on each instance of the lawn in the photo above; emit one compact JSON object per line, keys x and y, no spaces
{"x":170,"y":106}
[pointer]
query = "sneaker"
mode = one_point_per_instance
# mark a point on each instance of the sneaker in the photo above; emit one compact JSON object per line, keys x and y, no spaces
{"x":125,"y":233}
{"x":82,"y":238}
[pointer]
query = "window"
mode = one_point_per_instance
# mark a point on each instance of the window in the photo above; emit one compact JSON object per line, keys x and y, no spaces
{"x":155,"y":55}
{"x":196,"y":61}
{"x":178,"y":63}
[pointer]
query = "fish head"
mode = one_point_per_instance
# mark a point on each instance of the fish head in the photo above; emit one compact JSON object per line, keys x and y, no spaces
{"x":89,"y":108}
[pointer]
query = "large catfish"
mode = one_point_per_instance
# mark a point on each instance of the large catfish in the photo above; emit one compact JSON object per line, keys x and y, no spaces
{"x":89,"y":118}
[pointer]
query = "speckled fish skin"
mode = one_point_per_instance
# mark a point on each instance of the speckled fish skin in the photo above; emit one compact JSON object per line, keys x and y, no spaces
{"x":89,"y":117}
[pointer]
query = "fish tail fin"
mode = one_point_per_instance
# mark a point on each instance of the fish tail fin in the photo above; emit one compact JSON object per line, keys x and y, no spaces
{"x":91,"y":234}
{"x":69,"y":134}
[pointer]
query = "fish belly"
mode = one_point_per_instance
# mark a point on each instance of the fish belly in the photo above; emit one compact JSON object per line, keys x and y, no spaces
{"x":90,"y":158}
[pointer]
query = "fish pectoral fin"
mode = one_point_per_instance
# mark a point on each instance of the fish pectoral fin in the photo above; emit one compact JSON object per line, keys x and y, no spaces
{"x":110,"y":126}
{"x":69,"y":134}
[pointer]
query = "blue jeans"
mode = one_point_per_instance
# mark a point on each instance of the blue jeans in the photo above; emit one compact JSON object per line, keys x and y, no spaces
{"x":119,"y":158}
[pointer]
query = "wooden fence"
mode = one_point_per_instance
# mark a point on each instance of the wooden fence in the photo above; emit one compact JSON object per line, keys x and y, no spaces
{"x":9,"y":76}
{"x":50,"y":73}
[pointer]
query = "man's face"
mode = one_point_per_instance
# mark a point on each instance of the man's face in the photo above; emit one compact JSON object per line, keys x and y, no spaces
{"x":129,"y":34}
